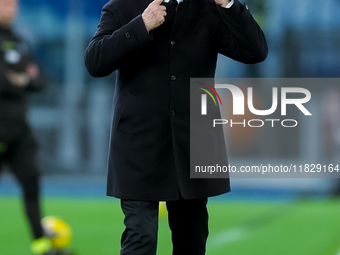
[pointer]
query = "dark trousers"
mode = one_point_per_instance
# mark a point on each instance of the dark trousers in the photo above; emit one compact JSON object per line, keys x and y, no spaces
{"x":20,"y":155}
{"x":188,"y":221}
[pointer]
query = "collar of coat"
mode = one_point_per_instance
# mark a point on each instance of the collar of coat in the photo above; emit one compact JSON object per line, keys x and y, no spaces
{"x":167,"y":1}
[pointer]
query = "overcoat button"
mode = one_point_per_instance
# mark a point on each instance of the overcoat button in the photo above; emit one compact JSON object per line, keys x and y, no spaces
{"x":127,"y":35}
{"x":172,"y":42}
{"x":173,"y":77}
{"x":173,"y":113}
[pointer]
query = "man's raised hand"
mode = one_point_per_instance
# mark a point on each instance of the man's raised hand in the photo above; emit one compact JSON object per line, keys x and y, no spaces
{"x":154,"y":15}
{"x":222,"y":3}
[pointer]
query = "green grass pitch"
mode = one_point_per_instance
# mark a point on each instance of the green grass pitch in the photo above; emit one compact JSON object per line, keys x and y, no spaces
{"x":237,"y":228}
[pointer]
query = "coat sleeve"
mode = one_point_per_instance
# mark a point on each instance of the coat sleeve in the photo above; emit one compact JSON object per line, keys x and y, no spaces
{"x":113,"y":42}
{"x":240,"y":37}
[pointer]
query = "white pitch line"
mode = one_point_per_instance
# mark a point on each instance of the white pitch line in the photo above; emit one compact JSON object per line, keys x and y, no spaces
{"x":227,"y":236}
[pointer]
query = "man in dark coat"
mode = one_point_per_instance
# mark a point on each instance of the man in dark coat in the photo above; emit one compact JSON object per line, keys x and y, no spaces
{"x":156,"y":47}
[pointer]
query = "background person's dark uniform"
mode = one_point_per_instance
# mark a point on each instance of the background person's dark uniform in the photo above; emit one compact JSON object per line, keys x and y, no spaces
{"x":17,"y":146}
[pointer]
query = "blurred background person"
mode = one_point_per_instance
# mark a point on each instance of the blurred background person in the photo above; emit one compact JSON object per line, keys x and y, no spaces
{"x":19,"y":74}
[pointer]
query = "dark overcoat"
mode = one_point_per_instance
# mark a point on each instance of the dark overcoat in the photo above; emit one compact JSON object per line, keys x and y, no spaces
{"x":149,"y":143}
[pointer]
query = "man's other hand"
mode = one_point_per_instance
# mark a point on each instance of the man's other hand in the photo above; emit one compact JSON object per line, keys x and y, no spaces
{"x":18,"y":79}
{"x":154,"y":15}
{"x":222,"y":3}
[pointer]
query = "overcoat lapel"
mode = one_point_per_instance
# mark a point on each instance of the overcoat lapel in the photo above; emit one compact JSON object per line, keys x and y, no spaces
{"x":185,"y":19}
{"x":179,"y":24}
